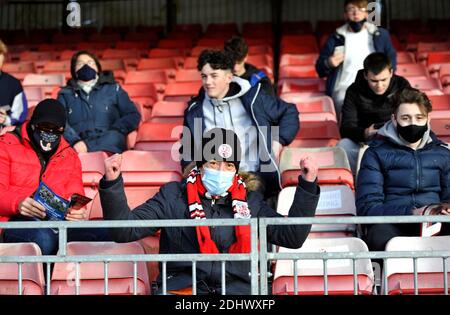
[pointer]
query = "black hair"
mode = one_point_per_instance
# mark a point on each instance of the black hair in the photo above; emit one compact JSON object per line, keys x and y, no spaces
{"x":376,"y":63}
{"x":217,"y":59}
{"x":237,"y":48}
{"x":73,"y":62}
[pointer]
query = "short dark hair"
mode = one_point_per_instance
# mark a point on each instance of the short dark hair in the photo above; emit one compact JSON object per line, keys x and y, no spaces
{"x":411,"y":95}
{"x":217,"y":59}
{"x":237,"y":48}
{"x":73,"y":62}
{"x":377,"y":62}
{"x":357,"y":3}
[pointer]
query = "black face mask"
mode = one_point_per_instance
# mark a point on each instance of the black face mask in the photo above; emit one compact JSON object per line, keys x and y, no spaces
{"x":86,"y":73}
{"x":45,"y":141}
{"x":357,"y":26}
{"x":412,"y":133}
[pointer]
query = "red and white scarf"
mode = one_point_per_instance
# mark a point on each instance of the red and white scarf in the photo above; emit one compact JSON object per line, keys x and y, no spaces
{"x":195,"y":190}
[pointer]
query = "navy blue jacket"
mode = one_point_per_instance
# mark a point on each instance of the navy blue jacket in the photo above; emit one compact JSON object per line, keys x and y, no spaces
{"x":170,"y":203}
{"x":394,"y":179}
{"x":381,"y":42}
{"x":102,"y":119}
{"x":265,"y":111}
{"x":12,"y":99}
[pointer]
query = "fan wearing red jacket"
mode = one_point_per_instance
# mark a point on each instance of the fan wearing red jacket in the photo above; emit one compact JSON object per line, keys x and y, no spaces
{"x":33,"y":152}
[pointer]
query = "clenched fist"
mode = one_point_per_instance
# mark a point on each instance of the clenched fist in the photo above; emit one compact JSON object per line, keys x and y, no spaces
{"x":309,"y":169}
{"x":112,"y":166}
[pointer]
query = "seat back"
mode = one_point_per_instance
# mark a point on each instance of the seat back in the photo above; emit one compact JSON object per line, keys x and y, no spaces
{"x":311,"y":272}
{"x":120,"y":275}
{"x":32,"y":273}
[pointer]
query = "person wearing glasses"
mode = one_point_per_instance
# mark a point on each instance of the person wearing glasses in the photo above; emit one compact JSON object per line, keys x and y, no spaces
{"x":100,"y":113}
{"x":36,"y":152}
{"x":344,"y":52}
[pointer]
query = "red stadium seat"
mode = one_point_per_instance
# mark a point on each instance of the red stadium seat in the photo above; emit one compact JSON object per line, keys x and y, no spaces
{"x":297,"y":28}
{"x":67,"y":38}
{"x":222,"y":27}
{"x":190,"y":63}
{"x":412,"y":70}
{"x":166,"y":53}
{"x":337,"y":200}
{"x":187,"y":75}
{"x":37,"y":56}
{"x":438,"y":57}
{"x":440,"y":102}
{"x":120,"y":275}
{"x":296,"y":72}
{"x":405,"y":57}
{"x":260,"y":61}
{"x":132,"y":45}
{"x":179,"y":43}
{"x":33,"y":94}
{"x":148,"y":76}
{"x":311,"y":272}
{"x":321,"y":107}
{"x":19,"y":67}
{"x":158,"y":136}
{"x":430,"y":86}
{"x":113,"y":64}
{"x":121,"y":54}
{"x":56,"y":67}
{"x":430,"y":271}
{"x":44,"y":80}
{"x":32,"y":273}
{"x":148,"y":37}
{"x":258,"y":49}
{"x":181,"y":91}
{"x":210,"y":42}
{"x":302,"y":85}
{"x":308,"y":40}
{"x":298,"y":60}
{"x":91,"y":45}
{"x":441,"y":127}
{"x":334,"y":168}
{"x":197,"y":50}
{"x":168,"y":112}
{"x":157,"y":63}
{"x":145,"y":95}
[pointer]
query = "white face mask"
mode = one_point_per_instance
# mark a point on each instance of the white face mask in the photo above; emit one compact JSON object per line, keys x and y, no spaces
{"x":217,"y":182}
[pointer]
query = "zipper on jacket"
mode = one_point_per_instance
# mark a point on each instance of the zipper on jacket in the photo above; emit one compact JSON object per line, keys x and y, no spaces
{"x":416,"y":158}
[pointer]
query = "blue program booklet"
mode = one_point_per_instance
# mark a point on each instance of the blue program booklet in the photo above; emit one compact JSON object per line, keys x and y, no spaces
{"x":55,"y":206}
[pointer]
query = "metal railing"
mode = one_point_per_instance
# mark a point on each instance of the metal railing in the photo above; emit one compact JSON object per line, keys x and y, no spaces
{"x":258,"y":259}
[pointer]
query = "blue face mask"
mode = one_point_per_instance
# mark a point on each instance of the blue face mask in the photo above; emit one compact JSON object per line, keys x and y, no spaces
{"x":217,"y":182}
{"x":86,"y":73}
{"x":357,"y":26}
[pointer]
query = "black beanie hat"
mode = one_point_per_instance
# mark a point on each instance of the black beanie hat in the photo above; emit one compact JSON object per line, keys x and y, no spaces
{"x":221,"y":145}
{"x":49,"y":111}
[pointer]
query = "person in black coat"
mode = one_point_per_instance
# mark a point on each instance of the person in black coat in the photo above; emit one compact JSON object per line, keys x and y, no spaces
{"x":367,"y":105}
{"x":405,"y":169}
{"x":213,"y":190}
{"x":238,"y":49}
{"x":100,"y":113}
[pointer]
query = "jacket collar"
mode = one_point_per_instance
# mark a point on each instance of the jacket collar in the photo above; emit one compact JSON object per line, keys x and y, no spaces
{"x":106,"y":77}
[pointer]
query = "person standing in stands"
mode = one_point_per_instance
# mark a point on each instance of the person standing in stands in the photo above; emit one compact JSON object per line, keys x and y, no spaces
{"x":238,"y":49}
{"x":213,"y":190}
{"x":345,"y":50}
{"x":100,"y":114}
{"x":264,"y":122}
{"x":367,"y":105}
{"x":33,"y":152}
{"x":13,"y":102}
{"x":405,"y":169}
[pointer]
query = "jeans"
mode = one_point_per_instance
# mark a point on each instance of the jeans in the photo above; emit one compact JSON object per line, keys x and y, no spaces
{"x":351,"y":148}
{"x":48,"y":239}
